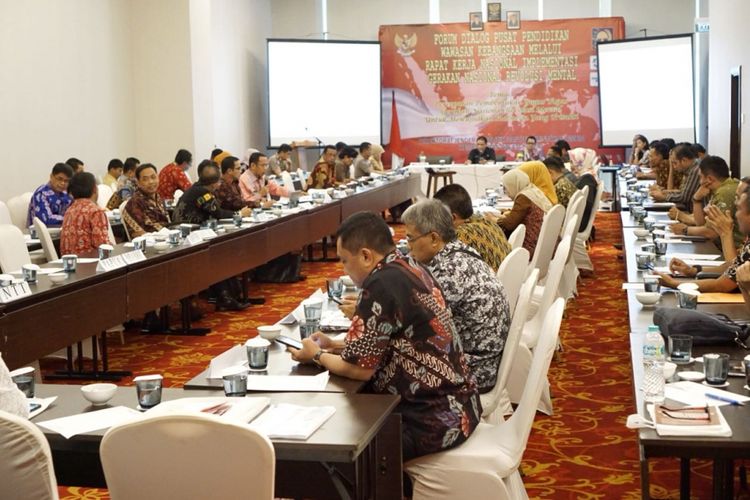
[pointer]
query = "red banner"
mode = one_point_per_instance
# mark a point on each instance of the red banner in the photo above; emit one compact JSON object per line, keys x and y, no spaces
{"x":444,"y":85}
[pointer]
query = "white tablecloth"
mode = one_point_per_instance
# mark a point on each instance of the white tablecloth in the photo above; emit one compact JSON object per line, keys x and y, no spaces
{"x":474,"y":178}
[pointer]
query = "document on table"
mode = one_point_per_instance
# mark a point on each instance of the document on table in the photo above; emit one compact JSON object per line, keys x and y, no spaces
{"x":43,"y":402}
{"x":695,"y":256}
{"x":720,"y":298}
{"x":288,"y":421}
{"x":287,"y":383}
{"x":694,"y":394}
{"x":240,"y":410}
{"x":91,"y":421}
{"x":80,"y":260}
{"x":704,"y":263}
{"x":234,"y":357}
{"x":721,"y":429}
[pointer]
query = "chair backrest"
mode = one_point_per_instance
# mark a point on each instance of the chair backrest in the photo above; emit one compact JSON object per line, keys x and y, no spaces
{"x":187,"y":456}
{"x":511,"y":273}
{"x":13,"y":250}
{"x":594,"y":209}
{"x":5,"y":214}
{"x":511,"y":342}
{"x":105,"y":192}
{"x":26,"y":467}
{"x":514,"y":439}
{"x":50,"y":253}
{"x":550,"y":293}
{"x":18,"y":206}
{"x":517,"y":236}
{"x":122,"y":214}
{"x":177,"y":195}
{"x":545,"y":245}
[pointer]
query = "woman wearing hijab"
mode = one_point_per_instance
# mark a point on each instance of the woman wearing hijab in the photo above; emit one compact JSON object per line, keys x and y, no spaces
{"x":376,"y":153}
{"x":529,"y":206}
{"x":539,"y":176}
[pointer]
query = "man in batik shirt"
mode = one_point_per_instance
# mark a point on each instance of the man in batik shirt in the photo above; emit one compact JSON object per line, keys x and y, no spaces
{"x":144,"y":211}
{"x":228,"y":192}
{"x":401,"y":341}
{"x":173,"y":176}
{"x":50,"y":201}
{"x":323,"y":175}
{"x":85,"y":225}
{"x":198,"y":204}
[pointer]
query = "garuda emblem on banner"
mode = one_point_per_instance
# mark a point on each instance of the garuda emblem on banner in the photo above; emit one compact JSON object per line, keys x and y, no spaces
{"x":405,"y":44}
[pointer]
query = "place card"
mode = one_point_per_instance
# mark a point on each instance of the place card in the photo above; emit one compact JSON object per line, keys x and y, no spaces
{"x":14,"y":291}
{"x":134,"y":256}
{"x":111,"y":263}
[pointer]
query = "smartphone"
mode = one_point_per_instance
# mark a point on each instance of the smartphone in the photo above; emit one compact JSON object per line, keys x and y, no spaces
{"x":336,"y":299}
{"x":34,"y":406}
{"x":288,"y":341}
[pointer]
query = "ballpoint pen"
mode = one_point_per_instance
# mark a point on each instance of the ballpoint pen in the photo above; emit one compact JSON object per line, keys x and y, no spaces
{"x":731,"y":401}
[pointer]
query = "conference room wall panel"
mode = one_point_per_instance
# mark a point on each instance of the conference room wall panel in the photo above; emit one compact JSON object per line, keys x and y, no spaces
{"x":361,"y":19}
{"x":65,"y":87}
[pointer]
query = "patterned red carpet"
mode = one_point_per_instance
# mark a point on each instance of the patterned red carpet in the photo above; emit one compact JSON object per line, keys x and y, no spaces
{"x":583,"y":451}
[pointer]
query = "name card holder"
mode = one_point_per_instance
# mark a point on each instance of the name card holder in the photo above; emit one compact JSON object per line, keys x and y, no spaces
{"x":111,"y":263}
{"x":133,"y":257}
{"x":13,"y":292}
{"x":192,"y":239}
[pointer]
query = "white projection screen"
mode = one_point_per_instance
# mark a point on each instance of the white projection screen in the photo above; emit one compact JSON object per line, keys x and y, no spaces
{"x":646,"y":87}
{"x":323,"y":90}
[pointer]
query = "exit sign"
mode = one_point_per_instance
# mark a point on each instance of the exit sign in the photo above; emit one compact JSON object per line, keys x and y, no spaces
{"x":702,"y":25}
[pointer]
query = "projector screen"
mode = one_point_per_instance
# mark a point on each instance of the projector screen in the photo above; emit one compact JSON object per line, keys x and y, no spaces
{"x":323,"y":90}
{"x":646,"y":87}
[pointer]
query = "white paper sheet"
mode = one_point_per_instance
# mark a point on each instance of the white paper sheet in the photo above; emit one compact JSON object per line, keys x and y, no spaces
{"x":287,"y":383}
{"x":633,"y":286}
{"x":242,"y":410}
{"x":287,"y":421}
{"x":91,"y":421}
{"x":45,"y":402}
{"x":334,"y":319}
{"x":721,"y":430}
{"x":704,"y":263}
{"x":693,"y":393}
{"x":234,"y":357}
{"x":697,"y":256}
{"x":42,"y":271}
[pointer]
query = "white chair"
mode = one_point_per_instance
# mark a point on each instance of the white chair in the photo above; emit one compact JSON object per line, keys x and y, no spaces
{"x":104,"y":194}
{"x":512,"y":272}
{"x":580,"y":254}
{"x":50,"y":253}
{"x":532,"y":331}
{"x":187,"y":456}
{"x":177,"y":195}
{"x":545,"y":245}
{"x":568,"y":288}
{"x":5,"y":214}
{"x":18,"y":206}
{"x":496,"y":403}
{"x":13,"y":250}
{"x":517,"y":236}
{"x":26,"y":467}
{"x":122,"y":214}
{"x":486,"y":465}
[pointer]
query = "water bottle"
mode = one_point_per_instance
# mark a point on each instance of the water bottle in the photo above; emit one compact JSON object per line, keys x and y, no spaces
{"x":653,"y":366}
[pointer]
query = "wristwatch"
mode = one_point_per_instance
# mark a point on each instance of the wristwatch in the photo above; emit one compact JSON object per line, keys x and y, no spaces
{"x":698,"y":269}
{"x":316,"y":358}
{"x":684,"y":231}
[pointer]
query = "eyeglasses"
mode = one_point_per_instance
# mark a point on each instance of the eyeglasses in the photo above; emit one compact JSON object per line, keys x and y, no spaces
{"x":412,"y":239}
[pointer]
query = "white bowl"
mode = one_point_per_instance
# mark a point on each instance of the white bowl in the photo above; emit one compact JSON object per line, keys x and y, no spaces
{"x":648,"y":298}
{"x":684,"y":287}
{"x":99,"y":394}
{"x":347,"y":281}
{"x":269,"y":332}
{"x":161,"y":246}
{"x":641,"y":234}
{"x":669,"y":369}
{"x":57,"y":277}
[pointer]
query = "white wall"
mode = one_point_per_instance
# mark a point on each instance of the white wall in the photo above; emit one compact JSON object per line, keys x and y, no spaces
{"x":65,"y":87}
{"x":729,"y":41}
{"x":662,"y":17}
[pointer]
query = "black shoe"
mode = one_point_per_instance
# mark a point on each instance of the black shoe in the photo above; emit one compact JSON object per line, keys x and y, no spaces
{"x":301,"y":277}
{"x":256,"y":300}
{"x":618,"y":246}
{"x":227,"y":303}
{"x":151,"y":323}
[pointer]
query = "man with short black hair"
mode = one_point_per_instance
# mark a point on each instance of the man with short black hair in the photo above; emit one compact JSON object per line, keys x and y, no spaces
{"x":254,"y":186}
{"x":228,"y":193}
{"x":280,"y":162}
{"x":76,"y":164}
{"x":362,"y":165}
{"x":686,"y":162}
{"x":401,"y":341}
{"x":564,"y":147}
{"x":481,"y":153}
{"x":50,"y":201}
{"x":323,"y":176}
{"x":346,"y":159}
{"x":564,"y":189}
{"x":85,"y":224}
{"x":483,"y":235}
{"x":173,"y":176}
{"x":144,"y":212}
{"x":531,"y":152}
{"x":114,"y":171}
{"x":198,"y":203}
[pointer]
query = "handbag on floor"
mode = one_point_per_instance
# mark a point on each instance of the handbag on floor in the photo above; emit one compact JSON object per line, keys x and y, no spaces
{"x":284,"y":269}
{"x":704,"y":328}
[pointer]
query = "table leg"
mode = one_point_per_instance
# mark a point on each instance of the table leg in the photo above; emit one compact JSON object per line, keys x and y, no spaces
{"x":684,"y":479}
{"x":388,"y":468}
{"x":723,"y":479}
{"x":645,"y":489}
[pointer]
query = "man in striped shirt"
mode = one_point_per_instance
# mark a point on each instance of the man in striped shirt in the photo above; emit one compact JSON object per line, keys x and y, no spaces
{"x":686,"y":161}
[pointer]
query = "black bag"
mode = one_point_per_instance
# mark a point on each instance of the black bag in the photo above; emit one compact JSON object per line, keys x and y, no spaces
{"x":705,"y":328}
{"x":284,"y":269}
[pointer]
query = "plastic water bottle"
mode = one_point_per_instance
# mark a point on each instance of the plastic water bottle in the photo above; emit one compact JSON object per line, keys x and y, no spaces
{"x":653,"y":366}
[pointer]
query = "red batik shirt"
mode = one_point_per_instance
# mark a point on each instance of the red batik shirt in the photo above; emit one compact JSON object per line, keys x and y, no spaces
{"x":172,"y":178}
{"x":84,"y":228}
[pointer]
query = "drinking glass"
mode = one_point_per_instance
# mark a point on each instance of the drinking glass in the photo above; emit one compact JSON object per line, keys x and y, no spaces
{"x":680,"y":349}
{"x":716,"y":368}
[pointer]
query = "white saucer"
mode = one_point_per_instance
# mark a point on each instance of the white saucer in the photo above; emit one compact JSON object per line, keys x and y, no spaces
{"x":725,"y":384}
{"x":691,"y":376}
{"x":747,"y":388}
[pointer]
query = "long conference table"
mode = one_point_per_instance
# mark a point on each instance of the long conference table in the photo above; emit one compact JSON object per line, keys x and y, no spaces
{"x":89,"y":302}
{"x":722,"y":451}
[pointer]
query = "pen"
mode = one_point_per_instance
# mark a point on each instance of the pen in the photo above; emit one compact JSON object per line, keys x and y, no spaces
{"x":731,"y":401}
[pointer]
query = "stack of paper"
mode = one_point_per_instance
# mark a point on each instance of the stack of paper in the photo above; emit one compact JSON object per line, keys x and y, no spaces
{"x":240,"y":410}
{"x":334,"y":321}
{"x":288,"y":383}
{"x":287,"y":421}
{"x":91,"y":421}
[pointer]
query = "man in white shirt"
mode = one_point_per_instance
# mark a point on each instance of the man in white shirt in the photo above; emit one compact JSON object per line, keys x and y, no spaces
{"x":280,"y":162}
{"x":362,"y":165}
